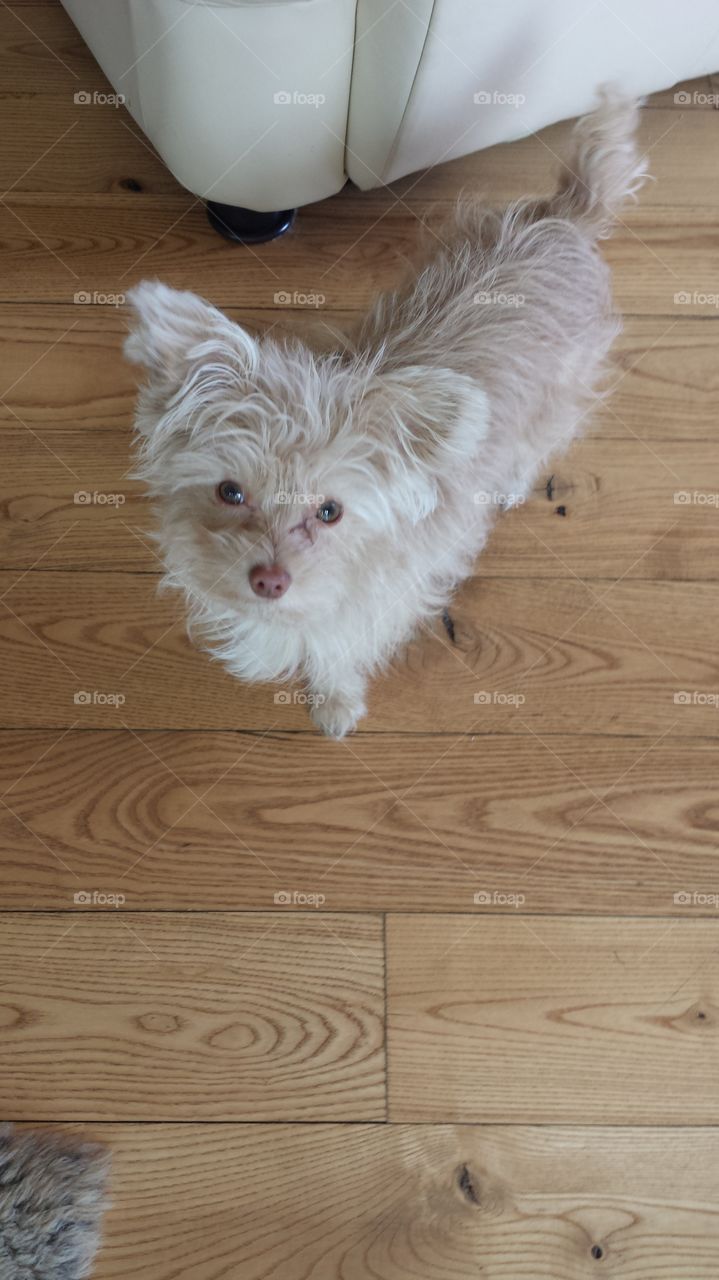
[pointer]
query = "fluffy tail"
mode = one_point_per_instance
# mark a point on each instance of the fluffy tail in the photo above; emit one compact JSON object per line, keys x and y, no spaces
{"x":606,"y":167}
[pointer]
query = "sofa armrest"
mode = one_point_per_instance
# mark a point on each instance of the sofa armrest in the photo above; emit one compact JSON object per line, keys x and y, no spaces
{"x":441,"y":78}
{"x":245,"y":100}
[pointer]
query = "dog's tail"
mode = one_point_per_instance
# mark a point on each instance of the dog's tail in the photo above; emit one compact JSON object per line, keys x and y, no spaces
{"x":606,"y":167}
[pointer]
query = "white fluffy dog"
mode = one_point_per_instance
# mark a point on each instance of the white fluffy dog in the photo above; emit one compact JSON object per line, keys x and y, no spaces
{"x":315,"y":508}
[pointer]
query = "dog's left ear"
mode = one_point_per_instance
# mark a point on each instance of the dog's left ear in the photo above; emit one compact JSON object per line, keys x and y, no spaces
{"x":172,"y":330}
{"x":426,"y":423}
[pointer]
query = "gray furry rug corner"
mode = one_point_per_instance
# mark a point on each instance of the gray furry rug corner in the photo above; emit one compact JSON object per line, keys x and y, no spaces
{"x":52,"y":1198}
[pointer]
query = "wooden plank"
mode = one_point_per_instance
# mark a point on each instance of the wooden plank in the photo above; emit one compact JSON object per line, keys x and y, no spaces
{"x":216,"y":821}
{"x":547,"y":656}
{"x":114,"y":1016}
{"x":64,"y":369}
{"x":45,"y":61}
{"x":55,"y":247}
{"x":258,"y":1201}
{"x":664,"y":379}
{"x":66,"y":501}
{"x":53,"y":142}
{"x":54,"y":146}
{"x":628,"y":510}
{"x":666,"y":99}
{"x":607,"y":509}
{"x":549,"y":1021}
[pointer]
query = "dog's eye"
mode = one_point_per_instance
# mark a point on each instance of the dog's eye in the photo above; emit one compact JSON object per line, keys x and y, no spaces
{"x":330,"y":512}
{"x":230,"y":493}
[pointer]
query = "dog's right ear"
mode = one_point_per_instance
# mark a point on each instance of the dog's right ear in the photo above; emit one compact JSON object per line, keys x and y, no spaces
{"x":173,"y":330}
{"x":426,"y":424}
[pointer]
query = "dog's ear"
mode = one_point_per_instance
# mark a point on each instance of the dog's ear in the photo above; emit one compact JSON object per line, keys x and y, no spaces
{"x":173,"y":330}
{"x":426,"y":424}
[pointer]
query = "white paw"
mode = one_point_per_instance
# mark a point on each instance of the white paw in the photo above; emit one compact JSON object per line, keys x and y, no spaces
{"x":338,"y":714}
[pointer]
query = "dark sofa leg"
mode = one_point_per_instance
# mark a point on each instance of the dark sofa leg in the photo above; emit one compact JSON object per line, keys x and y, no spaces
{"x":247,"y":226}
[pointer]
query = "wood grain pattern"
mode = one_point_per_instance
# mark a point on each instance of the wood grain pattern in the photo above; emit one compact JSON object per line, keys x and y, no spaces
{"x":609,"y":508}
{"x":111,"y":1015}
{"x":194,"y":821}
{"x":63,"y":369}
{"x":547,"y":656}
{"x":44,"y":60}
{"x":53,"y":247}
{"x":665,"y":386}
{"x":519,"y":1019}
{"x":292,"y":1201}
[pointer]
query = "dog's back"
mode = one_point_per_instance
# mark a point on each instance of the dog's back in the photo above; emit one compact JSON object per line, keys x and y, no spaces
{"x":520,"y":299}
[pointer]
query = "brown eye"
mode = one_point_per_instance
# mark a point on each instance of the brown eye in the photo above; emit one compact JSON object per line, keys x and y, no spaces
{"x":230,"y":493}
{"x":329,"y":512}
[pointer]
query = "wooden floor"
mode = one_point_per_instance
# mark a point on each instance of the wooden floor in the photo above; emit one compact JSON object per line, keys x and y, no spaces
{"x":483,"y":1036}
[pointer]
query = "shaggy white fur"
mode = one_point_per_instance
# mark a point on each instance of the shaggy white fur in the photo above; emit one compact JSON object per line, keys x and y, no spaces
{"x":458,"y":388}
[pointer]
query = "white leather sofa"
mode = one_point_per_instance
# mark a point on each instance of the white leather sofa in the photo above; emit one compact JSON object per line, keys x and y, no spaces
{"x":270,"y":104}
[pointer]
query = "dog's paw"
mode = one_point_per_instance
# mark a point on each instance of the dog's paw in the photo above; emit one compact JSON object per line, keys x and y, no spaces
{"x":337,"y":714}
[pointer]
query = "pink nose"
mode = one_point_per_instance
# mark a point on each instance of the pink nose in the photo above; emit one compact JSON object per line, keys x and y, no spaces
{"x":269,"y":581}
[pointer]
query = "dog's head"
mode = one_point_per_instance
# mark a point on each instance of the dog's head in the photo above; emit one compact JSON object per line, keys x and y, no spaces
{"x":281,"y":473}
